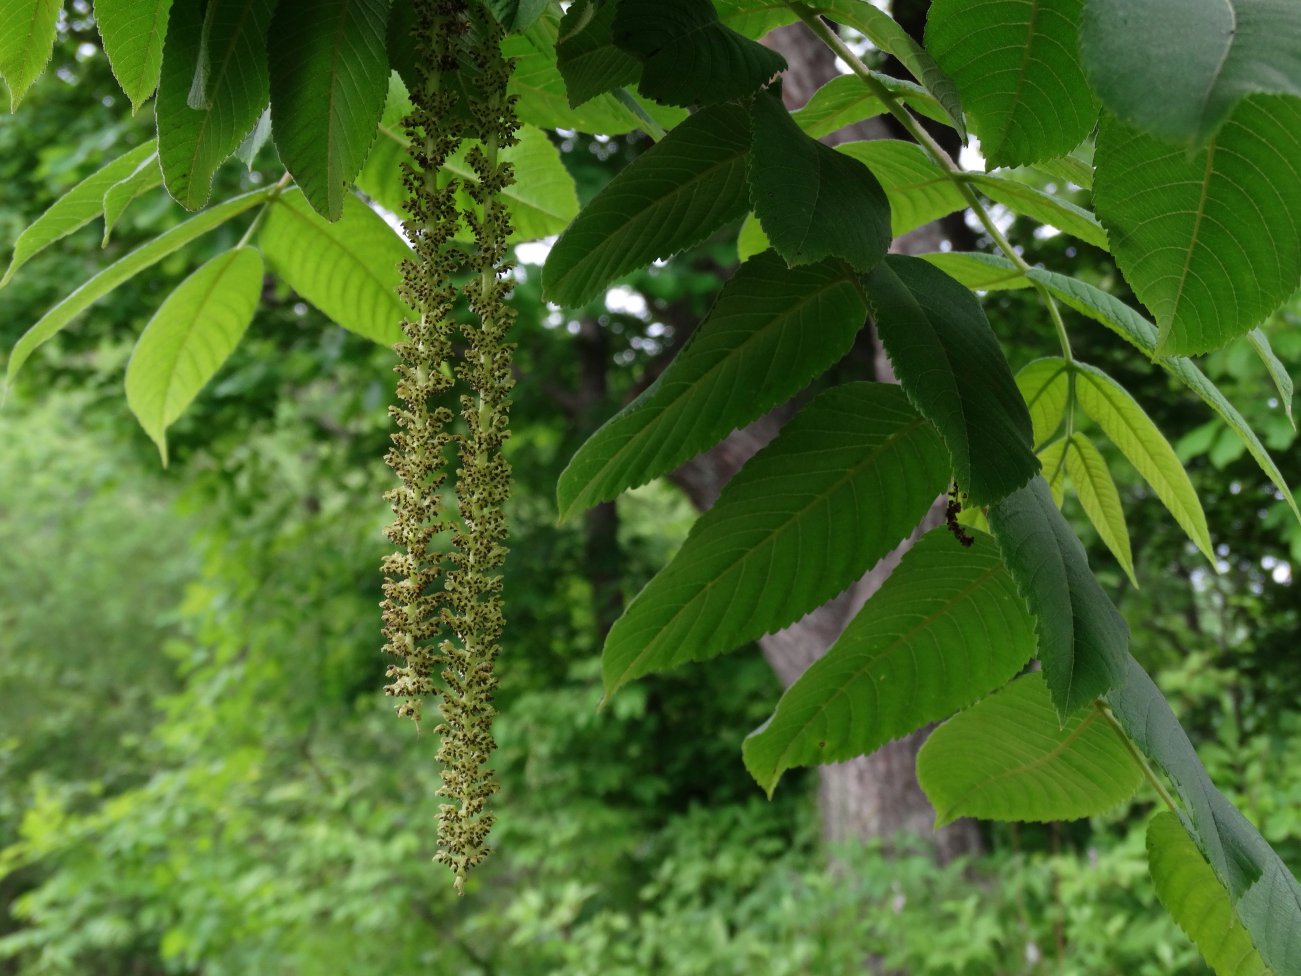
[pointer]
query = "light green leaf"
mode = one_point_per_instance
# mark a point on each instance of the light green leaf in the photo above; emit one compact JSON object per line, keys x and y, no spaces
{"x":118,"y":197}
{"x":27,"y":29}
{"x":1045,"y":386}
{"x":1053,"y":459}
{"x":750,"y":239}
{"x":133,"y":32}
{"x":1210,"y":242}
{"x":1196,"y":900}
{"x":844,"y":482}
{"x":1277,"y":371}
{"x":754,"y":18}
{"x":1126,"y":425}
{"x":918,"y":190}
{"x":193,"y":143}
{"x":772,"y":330}
{"x":348,"y":269}
{"x":951,"y":366}
{"x":1178,"y":73}
{"x":812,"y":201}
{"x":588,"y":59}
{"x":189,"y":337}
{"x":1099,"y":498}
{"x":674,"y":195}
{"x":125,"y":268}
{"x":946,"y":628}
{"x":76,"y":208}
{"x":977,"y":271}
{"x":845,"y":100}
{"x":1071,"y":169}
{"x":1041,"y":206}
{"x":1009,"y":758}
{"x":328,"y":82}
{"x":688,"y":56}
{"x":247,"y":151}
{"x":1265,"y":896}
{"x":1083,"y":642}
{"x":1016,"y":68}
{"x":517,"y":15}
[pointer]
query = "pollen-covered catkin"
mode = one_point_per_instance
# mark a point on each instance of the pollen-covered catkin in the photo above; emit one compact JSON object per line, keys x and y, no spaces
{"x":442,"y":609}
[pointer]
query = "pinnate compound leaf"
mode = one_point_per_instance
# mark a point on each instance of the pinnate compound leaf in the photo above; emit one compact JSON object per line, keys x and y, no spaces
{"x":347,"y":268}
{"x":1016,"y":67}
{"x":27,"y":29}
{"x":76,"y":208}
{"x":193,"y":142}
{"x":1264,"y":894}
{"x":1096,"y":490}
{"x":918,"y":190}
{"x":328,"y":82}
{"x":125,"y":268}
{"x":1179,"y":72}
{"x":1083,"y":642}
{"x":688,"y":56}
{"x":1045,"y":386}
{"x":844,"y":482}
{"x":133,"y":32}
{"x":1210,"y":242}
{"x":812,"y":201}
{"x":1009,"y":758}
{"x":194,"y":330}
{"x":772,"y":330}
{"x":951,"y":366}
{"x":588,"y":59}
{"x":1277,"y":370}
{"x":674,"y":195}
{"x":1197,"y":901}
{"x":1126,"y":425}
{"x":946,"y":627}
{"x":1041,"y":206}
{"x":138,"y":182}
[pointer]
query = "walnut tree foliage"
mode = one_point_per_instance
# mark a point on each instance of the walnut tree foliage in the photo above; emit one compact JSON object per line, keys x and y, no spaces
{"x":1186,"y":129}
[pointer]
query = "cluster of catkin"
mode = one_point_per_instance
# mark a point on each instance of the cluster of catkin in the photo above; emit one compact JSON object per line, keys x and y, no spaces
{"x":442,"y":590}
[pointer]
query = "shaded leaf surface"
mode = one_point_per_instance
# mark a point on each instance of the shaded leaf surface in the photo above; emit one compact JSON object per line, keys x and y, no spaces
{"x":588,"y":59}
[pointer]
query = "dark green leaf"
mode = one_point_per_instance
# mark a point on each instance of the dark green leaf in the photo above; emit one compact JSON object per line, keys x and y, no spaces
{"x":517,"y":15}
{"x":328,"y":82}
{"x":946,"y":628}
{"x":688,"y":56}
{"x":193,"y":143}
{"x":773,"y":329}
{"x":1016,"y":67}
{"x":953,"y":370}
{"x":586,"y":54}
{"x":672,"y":196}
{"x":133,"y":32}
{"x":844,"y":482}
{"x":347,"y":268}
{"x":812,"y":201}
{"x":27,"y":29}
{"x":1083,"y":641}
{"x":1179,"y":72}
{"x":1009,"y":758}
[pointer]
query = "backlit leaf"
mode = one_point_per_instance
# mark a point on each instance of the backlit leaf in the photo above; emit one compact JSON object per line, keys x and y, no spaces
{"x":133,"y":32}
{"x":27,"y":29}
{"x":845,"y":100}
{"x":139,"y":181}
{"x":1041,"y":206}
{"x":1099,"y":498}
{"x":1045,"y":386}
{"x":1278,"y":371}
{"x":918,"y":190}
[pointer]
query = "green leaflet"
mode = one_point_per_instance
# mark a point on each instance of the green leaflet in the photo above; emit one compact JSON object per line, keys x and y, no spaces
{"x":76,"y":208}
{"x":1041,"y":206}
{"x":1009,"y":758}
{"x":194,"y":330}
{"x":1045,"y":386}
{"x":1200,"y":59}
{"x":1016,"y":68}
{"x":192,"y":142}
{"x":1070,"y":168}
{"x":1277,"y":370}
{"x":812,"y":201}
{"x":1265,"y":896}
{"x":772,"y":330}
{"x":133,"y":32}
{"x":125,"y":268}
{"x":845,"y":100}
{"x":1098,"y":496}
{"x":348,"y":269}
{"x":588,"y":59}
{"x":688,"y":56}
{"x":328,"y":81}
{"x":1126,"y":425}
{"x":988,"y":271}
{"x":118,"y":197}
{"x":1199,"y":237}
{"x":952,"y":368}
{"x":517,"y":15}
{"x":672,"y":196}
{"x":27,"y":29}
{"x":945,"y":628}
{"x":1083,"y":642}
{"x":918,"y":190}
{"x":1053,"y":459}
{"x":1194,"y":898}
{"x":843,"y":483}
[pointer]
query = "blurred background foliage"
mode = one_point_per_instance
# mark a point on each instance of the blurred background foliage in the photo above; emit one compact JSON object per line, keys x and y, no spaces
{"x":200,"y":776}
